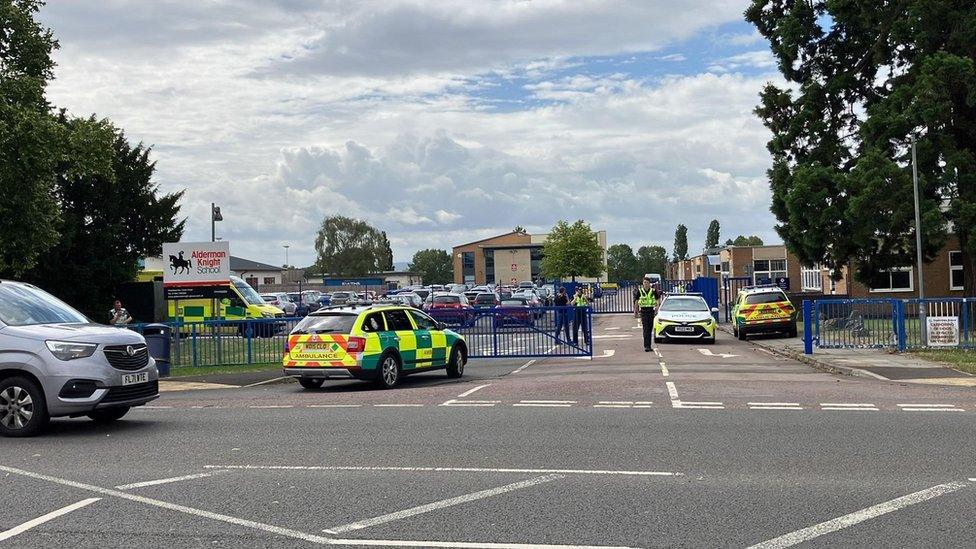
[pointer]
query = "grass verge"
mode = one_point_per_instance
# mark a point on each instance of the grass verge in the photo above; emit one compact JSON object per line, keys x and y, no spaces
{"x":962,"y":359}
{"x":225,"y":369}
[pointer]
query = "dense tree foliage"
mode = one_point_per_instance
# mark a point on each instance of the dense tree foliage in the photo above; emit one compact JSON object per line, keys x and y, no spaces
{"x":745,"y":241}
{"x":680,"y":243}
{"x":434,"y":266}
{"x":111,"y":215}
{"x":348,"y":247}
{"x":652,"y":260}
{"x":571,"y":251}
{"x":622,"y":264}
{"x":864,"y":79}
{"x":713,"y":235}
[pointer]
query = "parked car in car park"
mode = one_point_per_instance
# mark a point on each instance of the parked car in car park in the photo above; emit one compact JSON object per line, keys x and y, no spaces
{"x":485,"y":299}
{"x":514,"y":311}
{"x":343,"y":298}
{"x":408,"y":299}
{"x":281,"y":301}
{"x":369,"y":347}
{"x":56,"y":363}
{"x":302,"y":307}
{"x":448,"y":307}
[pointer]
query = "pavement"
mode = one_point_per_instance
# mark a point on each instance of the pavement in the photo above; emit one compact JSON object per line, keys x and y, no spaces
{"x":724,"y":445}
{"x":883,"y":364}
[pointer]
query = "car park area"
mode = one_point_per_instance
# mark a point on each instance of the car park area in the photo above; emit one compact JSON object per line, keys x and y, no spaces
{"x":626,"y":449}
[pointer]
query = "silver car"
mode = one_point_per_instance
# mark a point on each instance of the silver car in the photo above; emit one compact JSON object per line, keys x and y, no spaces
{"x":55,"y":362}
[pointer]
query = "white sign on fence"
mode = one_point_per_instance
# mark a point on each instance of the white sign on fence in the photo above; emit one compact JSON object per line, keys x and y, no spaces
{"x":196,"y":263}
{"x":942,"y":331}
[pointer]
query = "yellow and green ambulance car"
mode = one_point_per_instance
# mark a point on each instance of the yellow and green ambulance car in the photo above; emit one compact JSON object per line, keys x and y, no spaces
{"x":763,"y":310}
{"x":380,"y":343}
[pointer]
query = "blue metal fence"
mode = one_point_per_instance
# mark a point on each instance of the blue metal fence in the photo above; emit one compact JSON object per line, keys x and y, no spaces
{"x":888,"y":323}
{"x":489,"y":333}
{"x":522,"y":332}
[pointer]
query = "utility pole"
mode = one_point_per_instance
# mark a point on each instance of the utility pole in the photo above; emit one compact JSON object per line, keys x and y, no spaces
{"x":918,"y":249}
{"x":286,"y":246}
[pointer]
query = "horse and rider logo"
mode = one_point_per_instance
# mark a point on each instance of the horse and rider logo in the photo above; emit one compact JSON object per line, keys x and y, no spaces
{"x":179,"y":264}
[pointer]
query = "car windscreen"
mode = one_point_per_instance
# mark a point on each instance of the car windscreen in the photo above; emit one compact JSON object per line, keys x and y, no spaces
{"x":25,"y":305}
{"x":684,"y":304}
{"x":452,"y":299}
{"x":326,"y":324}
{"x":765,"y":297}
{"x":250,"y":296}
{"x":485,"y":298}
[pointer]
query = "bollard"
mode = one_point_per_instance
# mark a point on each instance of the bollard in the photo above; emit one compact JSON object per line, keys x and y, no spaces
{"x":157,"y":341}
{"x":807,"y":325}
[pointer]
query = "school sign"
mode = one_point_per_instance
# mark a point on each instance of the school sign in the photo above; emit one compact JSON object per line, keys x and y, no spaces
{"x":190,"y":267}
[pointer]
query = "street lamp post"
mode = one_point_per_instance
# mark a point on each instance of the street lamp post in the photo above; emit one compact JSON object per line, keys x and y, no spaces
{"x":286,"y":246}
{"x":918,"y":248}
{"x":214,"y":218}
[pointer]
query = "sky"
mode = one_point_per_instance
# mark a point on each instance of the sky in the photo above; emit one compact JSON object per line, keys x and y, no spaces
{"x":438,"y":122}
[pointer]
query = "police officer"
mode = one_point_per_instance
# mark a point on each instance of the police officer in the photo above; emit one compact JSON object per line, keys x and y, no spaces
{"x":644,"y":306}
{"x":580,"y":302}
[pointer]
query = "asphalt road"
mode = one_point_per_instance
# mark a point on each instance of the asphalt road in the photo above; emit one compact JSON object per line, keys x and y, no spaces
{"x":721,"y":446}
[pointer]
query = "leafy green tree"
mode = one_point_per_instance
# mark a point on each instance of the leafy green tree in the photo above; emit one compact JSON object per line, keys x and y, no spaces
{"x":621,"y":263}
{"x":863,"y":80}
{"x":348,"y":247}
{"x":745,"y":241}
{"x":571,"y":251}
{"x":30,"y":139}
{"x":680,"y":243}
{"x":713,"y":235}
{"x":434,"y":266}
{"x":652,"y":260}
{"x":386,"y":253}
{"x":112,"y":214}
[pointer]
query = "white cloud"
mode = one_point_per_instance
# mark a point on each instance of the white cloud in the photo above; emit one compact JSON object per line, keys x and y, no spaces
{"x":373,"y":110}
{"x":761,"y":59}
{"x":742,"y":39}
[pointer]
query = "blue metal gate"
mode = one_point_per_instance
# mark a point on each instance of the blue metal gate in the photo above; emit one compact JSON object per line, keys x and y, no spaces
{"x":730,"y":289}
{"x":509,"y":332}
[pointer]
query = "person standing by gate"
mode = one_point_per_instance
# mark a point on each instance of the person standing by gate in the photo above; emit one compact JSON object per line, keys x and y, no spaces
{"x":645,"y":305}
{"x":562,"y":313}
{"x":580,"y":302}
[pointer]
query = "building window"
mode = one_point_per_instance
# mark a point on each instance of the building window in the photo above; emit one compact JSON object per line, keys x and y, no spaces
{"x":467,"y":266}
{"x":957,"y":277}
{"x":725,"y":268}
{"x":717,"y":269}
{"x":269,"y":280}
{"x":812,"y":278}
{"x":766,"y":271}
{"x":894,"y":280}
{"x":535,"y":263}
{"x":252,"y":282}
{"x":489,"y":266}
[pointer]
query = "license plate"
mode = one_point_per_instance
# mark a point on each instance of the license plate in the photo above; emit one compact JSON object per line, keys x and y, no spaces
{"x":684,"y":329}
{"x":132,"y":379}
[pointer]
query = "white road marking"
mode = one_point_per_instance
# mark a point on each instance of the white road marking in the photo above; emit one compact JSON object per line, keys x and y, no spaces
{"x":449,"y":502}
{"x":460,"y":544}
{"x":612,"y":328}
{"x":607,"y":353}
{"x":672,"y":390}
{"x":20,"y":529}
{"x":775,"y":408}
{"x":270,"y":406}
{"x":548,"y":401}
{"x":265,"y":382}
{"x":972,"y":480}
{"x":398,"y":405}
{"x":613,"y":406}
{"x":169,"y":480}
{"x":847,"y":407}
{"x":530,"y":405}
{"x":658,"y":352}
{"x":286,"y":532}
{"x":839,"y":523}
{"x":664,"y":370}
{"x":788,"y":404}
{"x":930,"y":408}
{"x":151,"y":407}
{"x":708,"y":352}
{"x":471,"y":403}
{"x":443,"y":470}
{"x":334,"y":406}
{"x":847,"y":404}
{"x":613,"y":336}
{"x":526,"y":365}
{"x":698,"y":405}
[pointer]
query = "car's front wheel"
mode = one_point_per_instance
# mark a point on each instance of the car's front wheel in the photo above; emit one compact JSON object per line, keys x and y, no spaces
{"x":108,"y":415}
{"x":310,"y":382}
{"x":23,"y":411}
{"x":455,"y":365}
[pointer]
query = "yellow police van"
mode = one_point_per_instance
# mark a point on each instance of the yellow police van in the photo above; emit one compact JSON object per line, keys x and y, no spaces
{"x":763,"y":310}
{"x":380,"y":343}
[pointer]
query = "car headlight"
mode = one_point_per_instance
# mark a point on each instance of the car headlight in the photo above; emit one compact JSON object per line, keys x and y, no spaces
{"x":70,"y":350}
